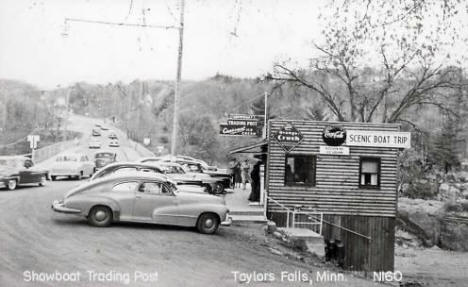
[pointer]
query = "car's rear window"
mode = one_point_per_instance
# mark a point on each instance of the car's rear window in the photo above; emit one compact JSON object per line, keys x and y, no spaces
{"x":104,"y":154}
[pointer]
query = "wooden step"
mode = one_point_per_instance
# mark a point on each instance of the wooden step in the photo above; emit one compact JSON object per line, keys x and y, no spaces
{"x":249,"y":218}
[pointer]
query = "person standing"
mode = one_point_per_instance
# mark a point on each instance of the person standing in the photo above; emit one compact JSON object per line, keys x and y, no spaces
{"x":255,"y":183}
{"x":237,"y":174}
{"x":245,"y":168}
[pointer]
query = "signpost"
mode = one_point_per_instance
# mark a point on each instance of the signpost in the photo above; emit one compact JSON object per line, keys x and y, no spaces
{"x":230,"y":129}
{"x":241,"y":125}
{"x":33,"y":140}
{"x":288,"y":137}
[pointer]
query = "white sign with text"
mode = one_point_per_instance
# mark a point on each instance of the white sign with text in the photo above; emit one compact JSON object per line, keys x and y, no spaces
{"x":334,"y":150}
{"x":378,"y":139}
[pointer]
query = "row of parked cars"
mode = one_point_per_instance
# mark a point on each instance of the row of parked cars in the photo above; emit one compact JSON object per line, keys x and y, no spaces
{"x":162,"y":190}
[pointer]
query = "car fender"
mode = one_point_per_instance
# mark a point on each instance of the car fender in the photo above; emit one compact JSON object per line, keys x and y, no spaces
{"x":191,"y":211}
{"x":85,"y":203}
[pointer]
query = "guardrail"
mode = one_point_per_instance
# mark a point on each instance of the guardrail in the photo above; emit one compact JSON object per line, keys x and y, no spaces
{"x":51,"y":150}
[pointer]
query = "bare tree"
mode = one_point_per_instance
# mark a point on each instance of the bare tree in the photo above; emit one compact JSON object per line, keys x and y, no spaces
{"x":380,"y":58}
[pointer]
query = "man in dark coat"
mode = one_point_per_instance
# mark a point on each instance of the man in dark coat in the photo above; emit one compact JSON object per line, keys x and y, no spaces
{"x":255,"y":177}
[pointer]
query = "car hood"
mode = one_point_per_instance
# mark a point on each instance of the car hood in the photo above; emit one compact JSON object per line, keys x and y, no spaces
{"x":7,"y":170}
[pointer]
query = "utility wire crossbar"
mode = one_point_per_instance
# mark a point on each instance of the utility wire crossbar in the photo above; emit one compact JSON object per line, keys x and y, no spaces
{"x":167,"y":27}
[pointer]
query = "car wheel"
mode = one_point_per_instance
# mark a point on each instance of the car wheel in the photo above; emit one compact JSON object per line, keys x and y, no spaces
{"x":208,"y":223}
{"x":11,"y":185}
{"x":53,"y":178}
{"x":43,"y":180}
{"x":208,"y":188}
{"x":100,"y":216}
{"x":219,"y":189}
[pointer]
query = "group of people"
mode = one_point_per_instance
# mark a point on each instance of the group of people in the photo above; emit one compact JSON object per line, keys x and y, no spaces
{"x":242,"y":172}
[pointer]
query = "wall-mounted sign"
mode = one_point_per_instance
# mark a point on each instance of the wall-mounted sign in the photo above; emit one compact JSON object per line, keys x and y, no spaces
{"x":288,"y":137}
{"x":334,"y":150}
{"x":378,"y":139}
{"x":239,"y":130}
{"x":244,"y":116}
{"x":334,"y":135}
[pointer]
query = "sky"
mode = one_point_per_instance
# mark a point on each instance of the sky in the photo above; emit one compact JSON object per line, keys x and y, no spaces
{"x":234,"y":37}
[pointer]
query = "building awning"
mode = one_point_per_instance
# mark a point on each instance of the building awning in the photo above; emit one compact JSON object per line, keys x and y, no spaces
{"x":257,"y":148}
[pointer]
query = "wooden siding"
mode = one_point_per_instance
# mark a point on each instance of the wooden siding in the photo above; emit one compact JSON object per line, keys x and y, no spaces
{"x":358,"y":250}
{"x":337,"y":177}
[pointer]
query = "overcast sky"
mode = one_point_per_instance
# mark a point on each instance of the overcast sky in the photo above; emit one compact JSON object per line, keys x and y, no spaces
{"x":240,"y":38}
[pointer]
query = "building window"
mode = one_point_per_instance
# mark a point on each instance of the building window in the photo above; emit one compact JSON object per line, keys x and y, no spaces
{"x":300,"y":170}
{"x":369,"y":174}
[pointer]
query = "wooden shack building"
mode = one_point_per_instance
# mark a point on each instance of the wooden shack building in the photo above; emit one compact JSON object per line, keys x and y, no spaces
{"x":346,"y":171}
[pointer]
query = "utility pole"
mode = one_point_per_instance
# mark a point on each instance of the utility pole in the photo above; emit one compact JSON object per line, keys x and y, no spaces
{"x":175,"y":119}
{"x":265,"y":119}
{"x":180,"y":28}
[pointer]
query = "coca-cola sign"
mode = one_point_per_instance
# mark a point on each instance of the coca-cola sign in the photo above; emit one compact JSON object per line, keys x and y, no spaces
{"x":334,"y":135}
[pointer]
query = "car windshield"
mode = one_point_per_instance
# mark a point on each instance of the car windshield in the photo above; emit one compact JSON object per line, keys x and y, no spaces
{"x":104,"y":154}
{"x":11,"y":162}
{"x":173,"y":169}
{"x":67,"y":158}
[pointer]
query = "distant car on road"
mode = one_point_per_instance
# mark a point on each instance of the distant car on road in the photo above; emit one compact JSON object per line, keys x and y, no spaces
{"x":96,"y":133}
{"x":72,"y":165}
{"x":114,"y":143}
{"x":101,"y":159}
{"x":104,"y":128}
{"x":20,"y":170}
{"x":112,"y":135}
{"x":146,"y":198}
{"x":94,"y":143}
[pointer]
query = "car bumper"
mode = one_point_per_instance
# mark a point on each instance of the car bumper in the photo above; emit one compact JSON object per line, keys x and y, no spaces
{"x":59,"y":206}
{"x":65,"y":173}
{"x":227,"y":221}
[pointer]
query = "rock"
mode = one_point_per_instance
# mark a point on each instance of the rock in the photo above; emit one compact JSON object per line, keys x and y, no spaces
{"x":278,"y":235}
{"x":271,"y":227}
{"x":454,"y":235}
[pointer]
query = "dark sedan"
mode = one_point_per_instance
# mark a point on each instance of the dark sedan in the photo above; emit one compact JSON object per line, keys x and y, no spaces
{"x":101,"y":159}
{"x":19,"y":170}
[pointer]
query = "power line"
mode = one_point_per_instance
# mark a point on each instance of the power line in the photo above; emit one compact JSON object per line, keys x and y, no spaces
{"x":143,"y":25}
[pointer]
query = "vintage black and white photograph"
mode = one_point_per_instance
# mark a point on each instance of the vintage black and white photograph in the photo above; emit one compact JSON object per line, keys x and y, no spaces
{"x":233,"y":143}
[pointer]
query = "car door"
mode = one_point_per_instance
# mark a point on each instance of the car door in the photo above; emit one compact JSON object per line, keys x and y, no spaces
{"x":153,"y":202}
{"x":25,"y":173}
{"x":124,"y":194}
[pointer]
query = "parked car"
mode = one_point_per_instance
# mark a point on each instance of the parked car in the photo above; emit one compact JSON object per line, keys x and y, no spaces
{"x":101,"y":159}
{"x":95,"y":133}
{"x":177,"y":173}
{"x":144,"y":197}
{"x":132,"y":167}
{"x":94,"y":143}
{"x":114,"y":143}
{"x":20,"y":170}
{"x":72,"y":165}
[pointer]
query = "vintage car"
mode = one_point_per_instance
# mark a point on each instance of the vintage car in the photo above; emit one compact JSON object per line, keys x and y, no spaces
{"x":94,"y":143}
{"x":72,"y":165}
{"x":178,"y":174}
{"x":146,"y":198}
{"x":96,"y":133}
{"x":131,"y":167}
{"x":20,"y":170}
{"x":114,"y":143}
{"x":101,"y":159}
{"x":112,"y":135}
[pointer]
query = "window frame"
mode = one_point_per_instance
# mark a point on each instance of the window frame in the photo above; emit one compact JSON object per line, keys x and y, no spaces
{"x":379,"y":171}
{"x":298,"y":184}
